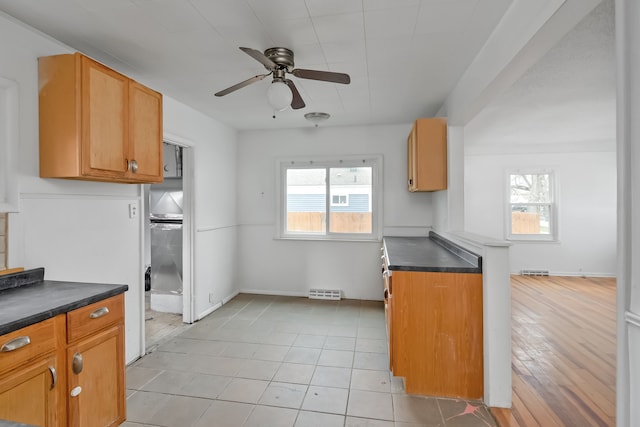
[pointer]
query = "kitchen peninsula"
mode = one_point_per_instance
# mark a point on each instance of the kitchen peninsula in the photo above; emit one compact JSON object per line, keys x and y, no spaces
{"x":61,"y":351}
{"x":433,"y":305}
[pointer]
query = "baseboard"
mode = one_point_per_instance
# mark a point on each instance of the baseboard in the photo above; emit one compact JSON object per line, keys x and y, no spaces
{"x":275,"y":293}
{"x":209,"y":310}
{"x":230,"y":297}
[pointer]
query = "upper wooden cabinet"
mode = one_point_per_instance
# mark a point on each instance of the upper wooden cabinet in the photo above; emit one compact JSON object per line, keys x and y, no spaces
{"x":97,"y":124}
{"x":427,"y":155}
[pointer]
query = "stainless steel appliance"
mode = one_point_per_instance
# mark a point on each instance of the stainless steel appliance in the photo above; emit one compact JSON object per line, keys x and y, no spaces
{"x":165,"y":216}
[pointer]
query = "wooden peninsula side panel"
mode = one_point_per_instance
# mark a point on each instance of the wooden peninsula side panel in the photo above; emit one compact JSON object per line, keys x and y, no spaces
{"x":437,"y":336}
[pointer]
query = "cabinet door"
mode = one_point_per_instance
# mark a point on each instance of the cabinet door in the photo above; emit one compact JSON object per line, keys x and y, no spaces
{"x":29,"y":395}
{"x":427,"y":155}
{"x":104,"y":121}
{"x":437,"y":333}
{"x":145,"y":139}
{"x":411,"y":157}
{"x":96,"y":390}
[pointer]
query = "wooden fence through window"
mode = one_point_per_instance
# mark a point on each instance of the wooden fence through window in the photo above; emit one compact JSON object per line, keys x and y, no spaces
{"x":341,"y":222}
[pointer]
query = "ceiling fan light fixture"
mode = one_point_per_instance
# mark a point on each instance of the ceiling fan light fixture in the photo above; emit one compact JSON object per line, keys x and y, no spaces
{"x":279,"y":95}
{"x":316,"y":117}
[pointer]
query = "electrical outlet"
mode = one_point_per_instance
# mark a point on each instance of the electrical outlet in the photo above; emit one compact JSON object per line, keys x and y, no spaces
{"x":133,"y":210}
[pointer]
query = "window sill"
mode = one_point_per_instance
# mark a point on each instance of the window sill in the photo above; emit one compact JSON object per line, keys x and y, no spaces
{"x":331,"y":239}
{"x":516,"y":240}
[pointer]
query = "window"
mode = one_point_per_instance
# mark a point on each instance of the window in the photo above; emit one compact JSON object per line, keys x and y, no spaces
{"x":332,"y":200}
{"x":532,"y":206}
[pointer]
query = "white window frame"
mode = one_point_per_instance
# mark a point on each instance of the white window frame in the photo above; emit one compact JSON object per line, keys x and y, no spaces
{"x":373,"y":161}
{"x":553,"y":206}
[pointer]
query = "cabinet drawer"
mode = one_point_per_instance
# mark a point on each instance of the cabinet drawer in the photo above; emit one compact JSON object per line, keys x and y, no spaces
{"x":90,"y":319}
{"x":25,"y":344}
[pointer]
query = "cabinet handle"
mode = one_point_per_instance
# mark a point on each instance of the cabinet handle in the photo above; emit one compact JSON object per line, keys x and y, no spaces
{"x":76,"y":391}
{"x":76,"y":363}
{"x":15,"y":344}
{"x":386,"y":294}
{"x":99,"y":312}
{"x":132,"y":165}
{"x":410,"y":182}
{"x":54,"y":377}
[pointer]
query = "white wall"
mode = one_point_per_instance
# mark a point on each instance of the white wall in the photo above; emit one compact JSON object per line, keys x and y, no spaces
{"x":292,"y":267}
{"x":214,"y":154}
{"x":586,"y":209}
{"x":80,"y":231}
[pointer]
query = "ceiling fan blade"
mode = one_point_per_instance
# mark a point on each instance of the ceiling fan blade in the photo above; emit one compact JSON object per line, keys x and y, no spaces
{"x":242,"y":84}
{"x":297,"y":102}
{"x":325,"y":76}
{"x":260,"y":57}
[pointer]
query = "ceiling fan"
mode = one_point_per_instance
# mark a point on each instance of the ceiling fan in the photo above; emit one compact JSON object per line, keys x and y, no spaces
{"x":279,"y":62}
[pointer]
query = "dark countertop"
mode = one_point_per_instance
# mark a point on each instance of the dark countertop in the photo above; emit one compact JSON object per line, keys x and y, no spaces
{"x":33,"y":299}
{"x":432,"y":254}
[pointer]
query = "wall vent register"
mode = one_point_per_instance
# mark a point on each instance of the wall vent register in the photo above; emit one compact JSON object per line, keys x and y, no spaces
{"x":534,"y":272}
{"x":326,"y":294}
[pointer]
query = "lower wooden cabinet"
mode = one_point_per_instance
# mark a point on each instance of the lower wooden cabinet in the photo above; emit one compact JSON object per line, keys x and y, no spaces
{"x":68,"y":370}
{"x":97,"y":390}
{"x":436,"y":333}
{"x":29,"y":395}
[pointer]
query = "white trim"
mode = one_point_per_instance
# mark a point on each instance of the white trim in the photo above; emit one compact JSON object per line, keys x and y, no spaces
{"x":377,"y":193}
{"x":141,"y":247}
{"x":275,"y":293}
{"x":208,"y":311}
{"x":188,"y":224}
{"x":632,"y":319}
{"x":230,"y":297}
{"x":553,"y":235}
{"x":9,"y":142}
{"x":213,"y":228}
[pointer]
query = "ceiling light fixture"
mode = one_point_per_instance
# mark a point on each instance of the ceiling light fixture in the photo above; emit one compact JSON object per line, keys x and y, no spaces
{"x":279,"y":95}
{"x":316,"y":117}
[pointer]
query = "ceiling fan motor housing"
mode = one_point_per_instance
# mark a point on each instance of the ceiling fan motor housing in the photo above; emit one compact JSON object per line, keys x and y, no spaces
{"x":282,"y":56}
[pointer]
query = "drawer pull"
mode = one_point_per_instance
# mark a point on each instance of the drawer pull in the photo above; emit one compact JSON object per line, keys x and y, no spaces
{"x":77,"y":363}
{"x":99,"y":312}
{"x":76,"y":391}
{"x":15,"y":344}
{"x":54,"y":377}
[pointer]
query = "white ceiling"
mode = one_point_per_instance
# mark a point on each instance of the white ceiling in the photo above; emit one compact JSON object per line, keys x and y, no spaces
{"x":565,"y":101}
{"x":403,"y":56}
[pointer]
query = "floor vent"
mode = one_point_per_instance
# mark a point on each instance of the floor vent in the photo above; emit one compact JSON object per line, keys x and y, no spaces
{"x":331,"y":294}
{"x":534,"y":272}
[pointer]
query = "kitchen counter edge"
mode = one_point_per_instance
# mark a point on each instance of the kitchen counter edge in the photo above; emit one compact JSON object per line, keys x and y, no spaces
{"x":46,"y":299}
{"x":432,"y":253}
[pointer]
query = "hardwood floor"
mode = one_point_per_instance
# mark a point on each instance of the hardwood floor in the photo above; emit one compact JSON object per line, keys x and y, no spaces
{"x":564,"y":352}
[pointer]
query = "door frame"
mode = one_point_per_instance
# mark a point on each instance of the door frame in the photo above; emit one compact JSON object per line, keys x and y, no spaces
{"x":188,"y":300}
{"x":188,"y":238}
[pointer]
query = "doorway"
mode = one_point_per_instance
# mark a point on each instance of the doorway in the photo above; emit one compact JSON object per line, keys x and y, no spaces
{"x":168,"y":307}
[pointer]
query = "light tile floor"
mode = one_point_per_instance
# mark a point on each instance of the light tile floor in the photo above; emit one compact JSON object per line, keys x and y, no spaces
{"x":283,"y":361}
